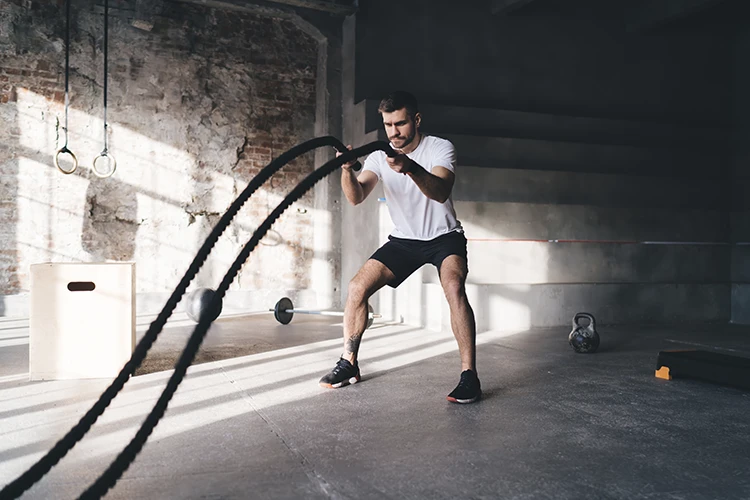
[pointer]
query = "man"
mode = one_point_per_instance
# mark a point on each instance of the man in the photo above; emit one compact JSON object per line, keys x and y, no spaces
{"x":417,"y":184}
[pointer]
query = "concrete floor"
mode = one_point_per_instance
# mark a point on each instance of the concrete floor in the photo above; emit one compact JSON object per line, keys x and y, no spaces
{"x":250,"y":421}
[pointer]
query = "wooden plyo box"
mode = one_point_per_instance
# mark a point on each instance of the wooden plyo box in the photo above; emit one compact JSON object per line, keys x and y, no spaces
{"x":82,"y":319}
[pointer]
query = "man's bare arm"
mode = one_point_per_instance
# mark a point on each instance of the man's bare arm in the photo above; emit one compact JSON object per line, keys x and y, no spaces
{"x":356,"y":189}
{"x":436,"y":185}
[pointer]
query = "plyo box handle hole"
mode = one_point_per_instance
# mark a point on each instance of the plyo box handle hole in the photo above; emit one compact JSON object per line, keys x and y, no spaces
{"x":81,"y":286}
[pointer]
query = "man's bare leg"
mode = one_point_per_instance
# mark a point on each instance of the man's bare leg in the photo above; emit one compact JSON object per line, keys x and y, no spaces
{"x":453,"y":273}
{"x":369,"y":279}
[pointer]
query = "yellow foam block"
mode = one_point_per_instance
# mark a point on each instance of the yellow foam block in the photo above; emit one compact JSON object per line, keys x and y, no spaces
{"x":82,"y":322}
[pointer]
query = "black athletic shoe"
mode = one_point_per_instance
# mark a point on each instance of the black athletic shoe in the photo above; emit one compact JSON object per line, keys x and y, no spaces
{"x":344,"y":373}
{"x":468,"y":389}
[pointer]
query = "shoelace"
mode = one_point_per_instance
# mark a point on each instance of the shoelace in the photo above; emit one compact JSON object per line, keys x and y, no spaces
{"x":465,"y":382}
{"x":340,"y":366}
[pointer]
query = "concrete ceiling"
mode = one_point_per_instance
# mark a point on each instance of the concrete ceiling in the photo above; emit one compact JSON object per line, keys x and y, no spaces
{"x":638,"y":15}
{"x":339,"y":7}
{"x":141,"y":13}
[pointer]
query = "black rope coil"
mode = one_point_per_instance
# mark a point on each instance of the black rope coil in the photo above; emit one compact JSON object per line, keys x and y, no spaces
{"x":26,"y":480}
{"x":126,"y":457}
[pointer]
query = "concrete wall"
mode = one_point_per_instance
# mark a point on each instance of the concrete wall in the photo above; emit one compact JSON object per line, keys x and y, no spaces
{"x":359,"y":225}
{"x":567,"y":128}
{"x":197,"y":105}
{"x":740,"y":174}
{"x":543,"y":61}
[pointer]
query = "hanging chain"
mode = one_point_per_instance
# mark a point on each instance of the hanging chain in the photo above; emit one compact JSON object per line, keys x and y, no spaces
{"x":112,"y":164}
{"x":106,"y":60}
{"x":64,"y":149}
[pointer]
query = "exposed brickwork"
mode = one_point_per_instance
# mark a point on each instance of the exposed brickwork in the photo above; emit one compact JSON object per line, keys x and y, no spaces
{"x":197,"y":107}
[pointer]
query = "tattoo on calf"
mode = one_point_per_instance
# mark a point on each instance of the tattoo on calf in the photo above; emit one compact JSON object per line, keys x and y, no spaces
{"x":352,"y":344}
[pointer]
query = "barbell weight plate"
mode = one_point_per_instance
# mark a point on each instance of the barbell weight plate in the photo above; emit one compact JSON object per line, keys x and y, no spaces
{"x":280,"y":311}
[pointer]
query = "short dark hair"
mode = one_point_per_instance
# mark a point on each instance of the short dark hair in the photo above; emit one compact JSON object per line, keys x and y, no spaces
{"x":399,"y":100}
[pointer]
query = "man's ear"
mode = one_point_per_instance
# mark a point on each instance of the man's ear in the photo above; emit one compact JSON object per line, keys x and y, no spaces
{"x":417,"y":119}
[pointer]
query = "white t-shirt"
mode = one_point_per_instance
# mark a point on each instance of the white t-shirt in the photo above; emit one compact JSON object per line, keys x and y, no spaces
{"x":415,"y":216}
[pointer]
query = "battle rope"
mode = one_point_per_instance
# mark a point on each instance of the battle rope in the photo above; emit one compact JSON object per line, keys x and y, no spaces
{"x":111,"y":162}
{"x":64,"y":149}
{"x":108,"y":479}
{"x":26,"y":480}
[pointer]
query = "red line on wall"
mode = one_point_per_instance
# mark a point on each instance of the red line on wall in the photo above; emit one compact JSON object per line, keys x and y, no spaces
{"x":614,"y":242}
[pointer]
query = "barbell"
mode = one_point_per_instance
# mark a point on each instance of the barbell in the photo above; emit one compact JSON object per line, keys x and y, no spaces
{"x":284,"y":312}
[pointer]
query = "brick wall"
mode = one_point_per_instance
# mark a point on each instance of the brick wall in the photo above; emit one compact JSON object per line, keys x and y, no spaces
{"x":196,"y":107}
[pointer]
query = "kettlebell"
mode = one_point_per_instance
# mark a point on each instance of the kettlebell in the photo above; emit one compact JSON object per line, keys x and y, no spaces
{"x":584,"y":339}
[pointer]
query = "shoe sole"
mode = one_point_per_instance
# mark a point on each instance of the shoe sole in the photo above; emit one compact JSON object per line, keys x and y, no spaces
{"x":464,"y":401}
{"x":343,"y":383}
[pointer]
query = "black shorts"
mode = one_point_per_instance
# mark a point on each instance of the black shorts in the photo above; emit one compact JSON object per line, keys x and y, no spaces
{"x":403,"y":256}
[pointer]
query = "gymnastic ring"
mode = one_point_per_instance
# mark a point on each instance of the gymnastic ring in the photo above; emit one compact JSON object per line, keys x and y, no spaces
{"x":65,"y":150}
{"x":99,"y":173}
